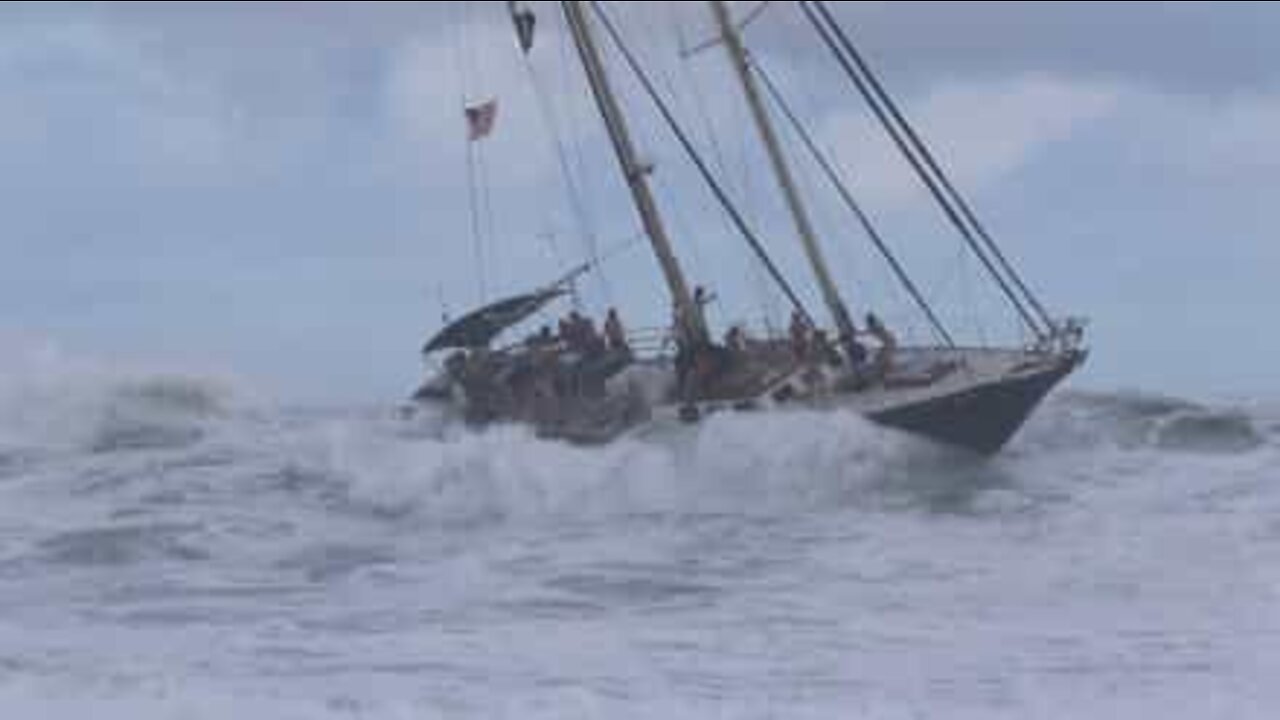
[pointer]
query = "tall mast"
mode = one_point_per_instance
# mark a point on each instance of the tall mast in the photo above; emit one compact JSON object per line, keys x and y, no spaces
{"x":732,"y":40}
{"x":692,"y":324}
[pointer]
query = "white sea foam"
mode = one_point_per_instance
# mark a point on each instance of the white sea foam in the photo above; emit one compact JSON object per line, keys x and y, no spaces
{"x":51,"y":401}
{"x":168,"y":550}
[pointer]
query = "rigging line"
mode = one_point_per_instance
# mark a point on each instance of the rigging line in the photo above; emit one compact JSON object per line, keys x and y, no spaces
{"x":896,"y":135}
{"x":693,"y":155}
{"x":718,"y":154}
{"x":579,"y":133}
{"x":843,"y":189}
{"x":687,"y":51}
{"x":861,"y":271}
{"x":621,"y":248}
{"x":699,"y":99}
{"x":756,"y":13}
{"x":596,"y":265}
{"x":491,"y":219}
{"x":681,"y":219}
{"x":483,"y":68}
{"x":461,"y":60}
{"x":931,"y":160}
{"x":612,"y":252}
{"x":577,"y":206}
{"x":690,"y":321}
{"x":552,"y":121}
{"x":549,"y":236}
{"x":558,"y":258}
{"x":754,"y":209}
{"x":477,"y":232}
{"x":567,"y":89}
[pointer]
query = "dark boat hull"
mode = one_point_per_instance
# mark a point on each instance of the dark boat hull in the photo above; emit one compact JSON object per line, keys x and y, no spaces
{"x":981,"y":419}
{"x":979,"y":415}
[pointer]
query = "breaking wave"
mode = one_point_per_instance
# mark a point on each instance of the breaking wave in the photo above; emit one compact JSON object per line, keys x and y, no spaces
{"x":1136,"y":421}
{"x":503,"y":475}
{"x":108,"y":414}
{"x":375,"y":464}
{"x":55,"y":405}
{"x":172,"y":549}
{"x":159,"y":436}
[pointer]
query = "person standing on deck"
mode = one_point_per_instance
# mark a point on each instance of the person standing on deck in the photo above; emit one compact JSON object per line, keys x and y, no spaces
{"x":800,"y":333}
{"x":615,"y":335}
{"x":888,"y":345}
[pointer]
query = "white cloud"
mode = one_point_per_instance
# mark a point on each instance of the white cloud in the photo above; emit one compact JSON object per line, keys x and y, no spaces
{"x":983,"y":132}
{"x":1247,"y":133}
{"x":86,"y":79}
{"x":1231,"y":140}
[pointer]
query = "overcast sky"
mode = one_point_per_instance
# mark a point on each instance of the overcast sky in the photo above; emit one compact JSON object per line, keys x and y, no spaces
{"x":278,"y":191}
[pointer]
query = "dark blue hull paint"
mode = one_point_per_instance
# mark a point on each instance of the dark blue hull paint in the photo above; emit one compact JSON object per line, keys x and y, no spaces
{"x":982,"y":420}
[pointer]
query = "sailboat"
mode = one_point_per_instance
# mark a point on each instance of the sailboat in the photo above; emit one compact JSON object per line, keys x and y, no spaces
{"x":578,"y":386}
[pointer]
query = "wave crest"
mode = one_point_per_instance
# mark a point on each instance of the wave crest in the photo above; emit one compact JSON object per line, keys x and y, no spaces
{"x":1135,"y":421}
{"x":733,"y":464}
{"x":51,"y":403}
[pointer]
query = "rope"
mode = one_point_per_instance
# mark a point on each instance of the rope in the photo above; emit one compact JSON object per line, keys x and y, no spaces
{"x":464,"y":71}
{"x":927,"y":154}
{"x":847,"y":196}
{"x":829,"y":37}
{"x":755,"y":277}
{"x":577,"y":205}
{"x":693,"y":155}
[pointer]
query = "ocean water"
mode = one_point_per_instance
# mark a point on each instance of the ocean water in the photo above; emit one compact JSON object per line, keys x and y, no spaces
{"x":170,"y":548}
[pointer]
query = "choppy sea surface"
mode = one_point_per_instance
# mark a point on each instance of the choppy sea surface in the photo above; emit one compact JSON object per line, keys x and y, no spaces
{"x":169,"y":549}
